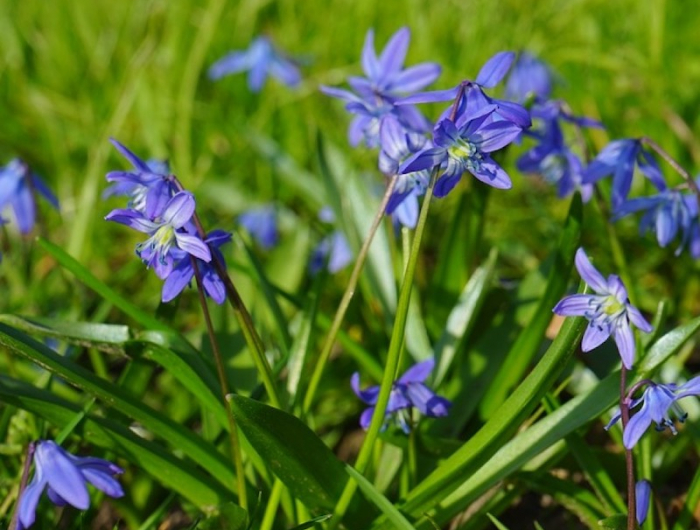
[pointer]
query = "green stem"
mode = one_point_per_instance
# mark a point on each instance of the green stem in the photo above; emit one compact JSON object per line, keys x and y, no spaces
{"x":345,"y":301}
{"x":393,"y":358}
{"x":272,"y":504}
{"x":223,"y":381}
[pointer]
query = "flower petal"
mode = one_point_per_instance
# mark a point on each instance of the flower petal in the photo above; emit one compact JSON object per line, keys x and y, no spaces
{"x":594,"y":336}
{"x":177,"y":280}
{"x":495,"y":69}
{"x":394,"y":54}
{"x":193,"y":245}
{"x":589,"y":273}
{"x":636,"y":427}
{"x":418,"y":372}
{"x":368,"y":395}
{"x":624,"y":338}
{"x":575,"y":305}
{"x":415,"y":77}
{"x":492,"y":174}
{"x":643,"y":493}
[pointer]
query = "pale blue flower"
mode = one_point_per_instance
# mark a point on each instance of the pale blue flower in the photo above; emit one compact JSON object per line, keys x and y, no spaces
{"x":261,"y":224}
{"x":609,"y":311}
{"x":17,"y":186}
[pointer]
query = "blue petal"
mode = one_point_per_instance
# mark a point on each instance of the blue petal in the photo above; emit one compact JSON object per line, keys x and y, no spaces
{"x":368,"y":395}
{"x":392,"y":58}
{"x":594,"y":336}
{"x":636,"y":427}
{"x":492,"y":174}
{"x":589,"y":273}
{"x":495,"y":69}
{"x":62,"y":475}
{"x":177,"y":280}
{"x":415,"y":77}
{"x":575,"y":305}
{"x":230,"y":63}
{"x":30,"y":498}
{"x":193,"y":245}
{"x":624,"y":338}
{"x":418,"y":372}
{"x":643,"y":493}
{"x":370,"y":65}
{"x":285,"y":71}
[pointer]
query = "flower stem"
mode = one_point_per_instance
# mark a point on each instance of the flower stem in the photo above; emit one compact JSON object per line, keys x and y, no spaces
{"x":242,"y":315}
{"x":14,"y":523}
{"x":629,"y":460}
{"x":393,"y":358}
{"x":345,"y":301}
{"x":221,"y":372}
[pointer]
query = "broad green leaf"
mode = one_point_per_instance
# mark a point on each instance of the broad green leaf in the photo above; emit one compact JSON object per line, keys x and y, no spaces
{"x":526,"y":346}
{"x":379,"y":500}
{"x":173,"y":473}
{"x":462,"y":318}
{"x":109,"y":338}
{"x":295,"y":454}
{"x":573,"y":414}
{"x":175,"y":434}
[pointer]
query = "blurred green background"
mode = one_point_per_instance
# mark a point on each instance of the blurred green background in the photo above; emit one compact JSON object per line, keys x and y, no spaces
{"x":75,"y":73}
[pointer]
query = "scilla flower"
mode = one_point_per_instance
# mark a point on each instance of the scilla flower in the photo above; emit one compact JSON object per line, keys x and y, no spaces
{"x":166,"y":232}
{"x":407,"y":392}
{"x":64,"y":477}
{"x":17,"y":186}
{"x":609,"y":311}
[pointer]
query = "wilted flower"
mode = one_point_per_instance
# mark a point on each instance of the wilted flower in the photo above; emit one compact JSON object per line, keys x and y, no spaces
{"x":17,"y":186}
{"x":609,"y":311}
{"x":261,"y":223}
{"x":529,"y":79}
{"x":658,"y":402}
{"x":64,"y":477}
{"x":259,"y":60}
{"x":619,"y":158}
{"x":408,"y":392}
{"x":166,"y":232}
{"x":183,"y":270}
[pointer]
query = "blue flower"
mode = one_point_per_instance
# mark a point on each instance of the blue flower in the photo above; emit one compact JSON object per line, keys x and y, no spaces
{"x":148,"y":186}
{"x":619,"y":158}
{"x":64,"y":477}
{"x":166,"y":233}
{"x":470,"y":100}
{"x":642,"y":491}
{"x":17,"y":187}
{"x":667,"y":213}
{"x":333,"y":252}
{"x":374,"y":96}
{"x":259,"y":60}
{"x":466,"y":148}
{"x":183,"y":271}
{"x":609,"y":311}
{"x":261,"y":223}
{"x":529,"y":79}
{"x":658,"y":402}
{"x":408,"y":392}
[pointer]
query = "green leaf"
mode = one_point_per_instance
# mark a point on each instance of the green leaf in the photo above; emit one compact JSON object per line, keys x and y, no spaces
{"x":313,"y":522}
{"x":462,"y":318}
{"x":380,"y":501}
{"x":526,"y":346}
{"x":295,"y":454}
{"x":175,"y":434}
{"x":171,"y":472}
{"x":496,"y":522}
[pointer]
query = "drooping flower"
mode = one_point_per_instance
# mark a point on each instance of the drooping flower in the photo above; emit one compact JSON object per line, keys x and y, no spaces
{"x":619,"y":159}
{"x":261,"y":223}
{"x":659,"y":401}
{"x":166,"y":231}
{"x":147,"y":185}
{"x":374,"y":96}
{"x":529,"y":79}
{"x":64,"y":476}
{"x":408,"y":392}
{"x":17,"y":186}
{"x":183,"y":270}
{"x":260,"y":60}
{"x":609,"y":311}
{"x":643,"y":494}
{"x":667,"y":213}
{"x":466,"y":148}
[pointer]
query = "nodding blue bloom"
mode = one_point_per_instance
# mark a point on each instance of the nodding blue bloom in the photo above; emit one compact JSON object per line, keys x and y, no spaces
{"x":609,"y":311}
{"x":17,"y":186}
{"x":183,"y":270}
{"x":619,"y":158}
{"x":333,"y":252}
{"x":471,"y":100}
{"x":642,"y":491}
{"x":667,"y":213}
{"x":658,"y":402}
{"x":261,"y":223}
{"x":166,"y":233}
{"x":259,"y":60}
{"x":374,"y":96}
{"x":408,"y":392}
{"x":64,"y":476}
{"x":148,"y":185}
{"x":529,"y":79}
{"x":466,"y":148}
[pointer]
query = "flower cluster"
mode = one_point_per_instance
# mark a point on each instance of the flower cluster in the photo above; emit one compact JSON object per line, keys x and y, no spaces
{"x":407,"y":392}
{"x":64,"y":477}
{"x":163,"y":211}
